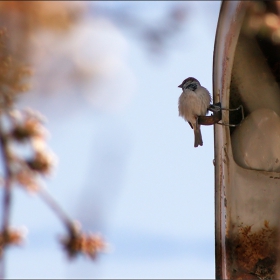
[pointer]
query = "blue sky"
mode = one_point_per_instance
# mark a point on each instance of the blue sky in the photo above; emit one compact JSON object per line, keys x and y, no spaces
{"x":126,"y":162}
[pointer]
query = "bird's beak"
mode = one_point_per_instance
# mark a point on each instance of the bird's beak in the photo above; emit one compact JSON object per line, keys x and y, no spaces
{"x":180,"y":86}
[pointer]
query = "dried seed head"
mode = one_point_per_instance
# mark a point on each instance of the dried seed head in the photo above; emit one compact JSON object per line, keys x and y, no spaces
{"x":89,"y":245}
{"x":27,"y":180}
{"x":11,"y":237}
{"x":31,"y":128}
{"x":42,"y":162}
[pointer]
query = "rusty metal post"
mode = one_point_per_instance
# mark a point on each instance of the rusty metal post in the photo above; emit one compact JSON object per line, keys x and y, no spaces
{"x":246,"y":72}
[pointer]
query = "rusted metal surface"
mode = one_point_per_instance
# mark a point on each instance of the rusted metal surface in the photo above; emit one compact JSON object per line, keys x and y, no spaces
{"x":226,"y":37}
{"x":247,"y":189}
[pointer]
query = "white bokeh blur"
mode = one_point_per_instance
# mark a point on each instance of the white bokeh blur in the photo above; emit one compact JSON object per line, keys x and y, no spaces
{"x":126,"y":163}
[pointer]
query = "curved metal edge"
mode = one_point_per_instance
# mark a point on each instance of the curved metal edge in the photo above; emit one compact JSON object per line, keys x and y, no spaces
{"x":228,"y":27}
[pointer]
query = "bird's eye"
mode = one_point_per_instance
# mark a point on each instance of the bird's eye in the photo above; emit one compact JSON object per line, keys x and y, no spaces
{"x":192,"y":87}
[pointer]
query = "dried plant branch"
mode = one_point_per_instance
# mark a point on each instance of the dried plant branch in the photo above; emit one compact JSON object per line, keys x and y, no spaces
{"x":50,"y":201}
{"x":76,"y":241}
{"x":20,"y":129}
{"x":7,"y":197}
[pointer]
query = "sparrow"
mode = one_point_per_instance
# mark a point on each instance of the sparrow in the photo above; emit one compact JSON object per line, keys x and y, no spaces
{"x":193,"y":102}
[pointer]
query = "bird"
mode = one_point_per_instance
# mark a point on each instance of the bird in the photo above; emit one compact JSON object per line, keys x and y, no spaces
{"x":193,"y":102}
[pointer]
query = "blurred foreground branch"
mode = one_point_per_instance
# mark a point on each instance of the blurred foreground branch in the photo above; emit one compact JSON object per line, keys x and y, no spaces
{"x":25,"y":156}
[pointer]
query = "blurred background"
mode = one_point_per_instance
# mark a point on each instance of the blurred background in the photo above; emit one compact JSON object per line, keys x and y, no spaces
{"x":105,"y":76}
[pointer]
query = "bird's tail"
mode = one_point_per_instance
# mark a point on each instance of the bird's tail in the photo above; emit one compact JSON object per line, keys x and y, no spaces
{"x":197,"y":136}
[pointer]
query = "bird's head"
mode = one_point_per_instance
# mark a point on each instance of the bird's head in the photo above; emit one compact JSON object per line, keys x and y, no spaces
{"x":189,"y":83}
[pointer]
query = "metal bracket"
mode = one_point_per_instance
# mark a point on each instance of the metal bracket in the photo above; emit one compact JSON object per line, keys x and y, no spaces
{"x":216,"y":117}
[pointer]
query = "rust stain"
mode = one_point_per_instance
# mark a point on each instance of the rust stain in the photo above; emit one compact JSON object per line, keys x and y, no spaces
{"x":274,"y":177}
{"x":253,"y":253}
{"x":226,"y":54}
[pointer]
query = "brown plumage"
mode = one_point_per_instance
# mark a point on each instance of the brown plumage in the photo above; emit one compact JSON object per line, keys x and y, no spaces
{"x":193,"y":102}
